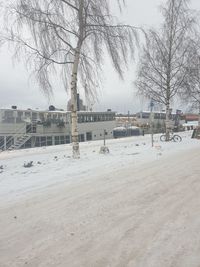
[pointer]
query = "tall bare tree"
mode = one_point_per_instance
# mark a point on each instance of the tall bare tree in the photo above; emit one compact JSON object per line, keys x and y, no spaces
{"x":191,"y":92}
{"x":71,"y":37}
{"x":164,"y":57}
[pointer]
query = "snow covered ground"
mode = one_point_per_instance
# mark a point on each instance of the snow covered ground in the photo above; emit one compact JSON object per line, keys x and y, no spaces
{"x":137,"y":206}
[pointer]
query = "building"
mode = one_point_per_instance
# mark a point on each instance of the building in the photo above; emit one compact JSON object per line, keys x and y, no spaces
{"x":125,"y":120}
{"x":34,"y":128}
{"x":187,"y":117}
{"x":190,"y":125}
{"x":143,"y":118}
{"x":158,"y":119}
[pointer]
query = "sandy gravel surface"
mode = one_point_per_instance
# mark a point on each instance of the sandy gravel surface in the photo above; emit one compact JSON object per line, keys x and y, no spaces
{"x":145,"y":216}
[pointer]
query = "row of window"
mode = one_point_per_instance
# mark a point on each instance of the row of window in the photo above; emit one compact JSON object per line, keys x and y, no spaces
{"x":162,"y":116}
{"x":95,"y":118}
{"x":19,"y":116}
{"x":41,"y":141}
{"x":48,"y":140}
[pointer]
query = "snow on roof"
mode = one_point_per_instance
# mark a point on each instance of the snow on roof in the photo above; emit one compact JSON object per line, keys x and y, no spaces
{"x":133,"y":127}
{"x":120,"y":128}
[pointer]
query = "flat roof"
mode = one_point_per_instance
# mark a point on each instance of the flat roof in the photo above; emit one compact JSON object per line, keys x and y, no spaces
{"x":57,"y":111}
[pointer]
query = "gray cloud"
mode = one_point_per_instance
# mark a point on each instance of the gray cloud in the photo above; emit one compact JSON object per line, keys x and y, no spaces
{"x":15,"y":87}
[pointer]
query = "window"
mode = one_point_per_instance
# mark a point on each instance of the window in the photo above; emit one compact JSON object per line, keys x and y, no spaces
{"x":62,"y":140}
{"x":145,"y":115}
{"x":163,"y":116}
{"x":1,"y":142}
{"x":19,"y":116}
{"x":43,"y":140}
{"x":49,"y":140}
{"x":81,"y":138}
{"x":9,"y":141}
{"x":41,"y":116}
{"x":9,"y":116}
{"x":37,"y":141}
{"x":34,"y":116}
{"x":67,"y":139}
{"x":89,"y":136}
{"x":57,"y":140}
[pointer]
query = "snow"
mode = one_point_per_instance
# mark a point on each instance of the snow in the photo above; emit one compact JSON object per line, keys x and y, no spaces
{"x":134,"y":127}
{"x":57,"y":166}
{"x":119,"y":128}
{"x":137,"y":206}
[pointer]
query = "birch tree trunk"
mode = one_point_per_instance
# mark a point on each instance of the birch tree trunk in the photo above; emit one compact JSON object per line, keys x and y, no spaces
{"x":167,"y":122}
{"x":74,"y":114}
{"x":199,"y":116}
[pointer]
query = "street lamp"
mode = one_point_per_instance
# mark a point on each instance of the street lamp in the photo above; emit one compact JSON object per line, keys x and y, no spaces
{"x":104,"y":149}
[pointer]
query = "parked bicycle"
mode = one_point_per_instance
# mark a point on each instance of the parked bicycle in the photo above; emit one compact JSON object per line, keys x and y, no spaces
{"x":172,"y":137}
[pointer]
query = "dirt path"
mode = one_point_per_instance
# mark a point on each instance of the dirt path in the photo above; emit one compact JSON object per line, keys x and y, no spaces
{"x":138,"y":217}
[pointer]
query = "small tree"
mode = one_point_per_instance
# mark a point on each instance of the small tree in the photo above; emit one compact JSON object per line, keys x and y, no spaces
{"x":164,"y":58}
{"x":70,"y":37}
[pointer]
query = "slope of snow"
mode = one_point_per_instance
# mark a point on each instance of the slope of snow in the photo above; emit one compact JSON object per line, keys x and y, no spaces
{"x":138,"y":206}
{"x":54,"y":165}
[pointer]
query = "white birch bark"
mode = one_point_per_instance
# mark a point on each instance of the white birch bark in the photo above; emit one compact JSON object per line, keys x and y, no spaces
{"x":199,"y":116}
{"x":74,"y":114}
{"x":167,"y":122}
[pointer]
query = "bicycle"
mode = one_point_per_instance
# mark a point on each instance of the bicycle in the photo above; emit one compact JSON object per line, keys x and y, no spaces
{"x":172,"y":137}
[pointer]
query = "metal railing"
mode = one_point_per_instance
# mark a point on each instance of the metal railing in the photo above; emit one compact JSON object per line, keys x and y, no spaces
{"x":10,"y":140}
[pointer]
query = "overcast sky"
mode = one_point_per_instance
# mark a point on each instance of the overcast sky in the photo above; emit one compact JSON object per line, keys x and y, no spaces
{"x":17,"y":89}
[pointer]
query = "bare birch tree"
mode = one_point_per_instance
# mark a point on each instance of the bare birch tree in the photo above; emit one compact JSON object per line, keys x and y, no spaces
{"x":164,"y":57}
{"x":71,"y":37}
{"x":191,"y":93}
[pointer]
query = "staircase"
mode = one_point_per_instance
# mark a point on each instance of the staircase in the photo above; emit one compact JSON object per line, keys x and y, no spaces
{"x":20,"y":141}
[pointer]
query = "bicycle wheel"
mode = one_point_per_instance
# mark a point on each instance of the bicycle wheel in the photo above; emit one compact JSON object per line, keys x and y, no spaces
{"x":163,"y":138}
{"x":177,"y":138}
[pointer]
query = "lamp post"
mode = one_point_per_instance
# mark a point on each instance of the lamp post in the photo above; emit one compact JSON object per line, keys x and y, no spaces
{"x":104,"y":137}
{"x":104,"y":149}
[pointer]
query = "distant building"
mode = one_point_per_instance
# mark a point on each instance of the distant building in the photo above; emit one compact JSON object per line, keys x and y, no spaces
{"x":143,"y":118}
{"x":125,"y":119}
{"x":190,"y":125}
{"x":190,"y":117}
{"x":33,"y":128}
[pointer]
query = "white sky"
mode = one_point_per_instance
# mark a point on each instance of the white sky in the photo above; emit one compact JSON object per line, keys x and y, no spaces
{"x":17,"y":89}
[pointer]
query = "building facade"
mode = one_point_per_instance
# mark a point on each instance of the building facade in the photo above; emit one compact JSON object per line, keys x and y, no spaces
{"x":33,"y":128}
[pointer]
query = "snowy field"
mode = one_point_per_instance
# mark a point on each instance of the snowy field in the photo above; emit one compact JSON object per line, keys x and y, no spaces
{"x":137,"y":206}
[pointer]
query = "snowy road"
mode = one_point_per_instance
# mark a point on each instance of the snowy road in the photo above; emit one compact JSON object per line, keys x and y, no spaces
{"x":135,"y":215}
